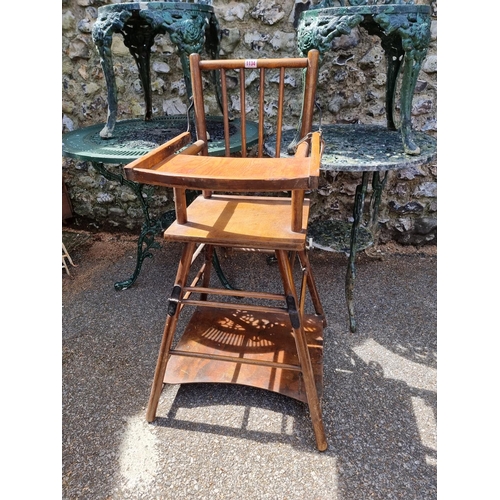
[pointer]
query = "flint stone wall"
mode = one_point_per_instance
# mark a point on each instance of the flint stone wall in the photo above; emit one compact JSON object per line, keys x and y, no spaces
{"x":350,"y":90}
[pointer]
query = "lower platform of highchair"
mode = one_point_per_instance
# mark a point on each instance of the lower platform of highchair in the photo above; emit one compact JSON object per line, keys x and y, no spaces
{"x":259,"y":337}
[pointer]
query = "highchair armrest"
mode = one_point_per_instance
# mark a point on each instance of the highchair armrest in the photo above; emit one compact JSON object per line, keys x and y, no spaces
{"x":311,"y":145}
{"x":134,"y":170}
{"x":189,"y":169}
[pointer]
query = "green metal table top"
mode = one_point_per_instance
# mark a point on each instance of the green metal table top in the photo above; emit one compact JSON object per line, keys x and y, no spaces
{"x":364,"y":148}
{"x":135,"y":138}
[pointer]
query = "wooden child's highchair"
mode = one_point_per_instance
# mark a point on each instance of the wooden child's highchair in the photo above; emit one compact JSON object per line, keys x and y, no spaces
{"x":236,"y":339}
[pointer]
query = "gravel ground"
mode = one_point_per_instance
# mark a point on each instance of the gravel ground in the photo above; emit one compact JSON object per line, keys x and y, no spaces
{"x":228,"y":442}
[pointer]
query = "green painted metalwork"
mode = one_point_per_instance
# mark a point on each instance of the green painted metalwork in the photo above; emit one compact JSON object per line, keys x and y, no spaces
{"x":373,"y":151}
{"x":191,"y":27}
{"x":404,"y":30}
{"x":132,"y":139}
{"x":150,"y":228}
{"x":360,"y":148}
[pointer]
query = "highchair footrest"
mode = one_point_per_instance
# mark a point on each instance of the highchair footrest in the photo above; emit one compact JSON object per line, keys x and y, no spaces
{"x":245,"y":337}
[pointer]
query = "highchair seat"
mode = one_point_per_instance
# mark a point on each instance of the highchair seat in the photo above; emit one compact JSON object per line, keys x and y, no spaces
{"x":241,"y":221}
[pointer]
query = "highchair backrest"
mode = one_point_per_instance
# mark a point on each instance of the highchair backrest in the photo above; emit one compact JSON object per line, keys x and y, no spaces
{"x":271,"y":106}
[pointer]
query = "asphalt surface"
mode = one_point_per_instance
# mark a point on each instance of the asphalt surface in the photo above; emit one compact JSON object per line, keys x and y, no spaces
{"x":234,"y":442}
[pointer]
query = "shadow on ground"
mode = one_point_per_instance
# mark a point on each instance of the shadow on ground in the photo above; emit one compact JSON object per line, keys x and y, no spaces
{"x":224,"y":441}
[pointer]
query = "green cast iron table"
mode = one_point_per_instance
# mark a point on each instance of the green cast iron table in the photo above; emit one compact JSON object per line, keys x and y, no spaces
{"x":370,"y":150}
{"x":404,"y":30}
{"x":134,"y":138}
{"x":191,"y":27}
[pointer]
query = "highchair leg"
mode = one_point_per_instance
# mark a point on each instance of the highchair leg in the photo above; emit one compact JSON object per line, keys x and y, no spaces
{"x":311,"y":284}
{"x":302,"y":350}
{"x":169,"y":330}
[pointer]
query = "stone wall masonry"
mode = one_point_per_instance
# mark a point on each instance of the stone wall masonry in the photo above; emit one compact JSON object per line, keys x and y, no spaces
{"x":350,"y":90}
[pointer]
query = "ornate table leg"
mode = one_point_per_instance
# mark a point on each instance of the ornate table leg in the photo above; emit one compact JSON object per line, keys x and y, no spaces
{"x":378,"y":186}
{"x":191,"y":35}
{"x":139,"y":37}
{"x":220,"y":273}
{"x":359,"y":202}
{"x":190,"y":26}
{"x":102,"y":35}
{"x":150,"y":228}
{"x":351,"y":267}
{"x":393,"y":52}
{"x":405,"y":33}
{"x":404,"y":30}
{"x":411,"y":69}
